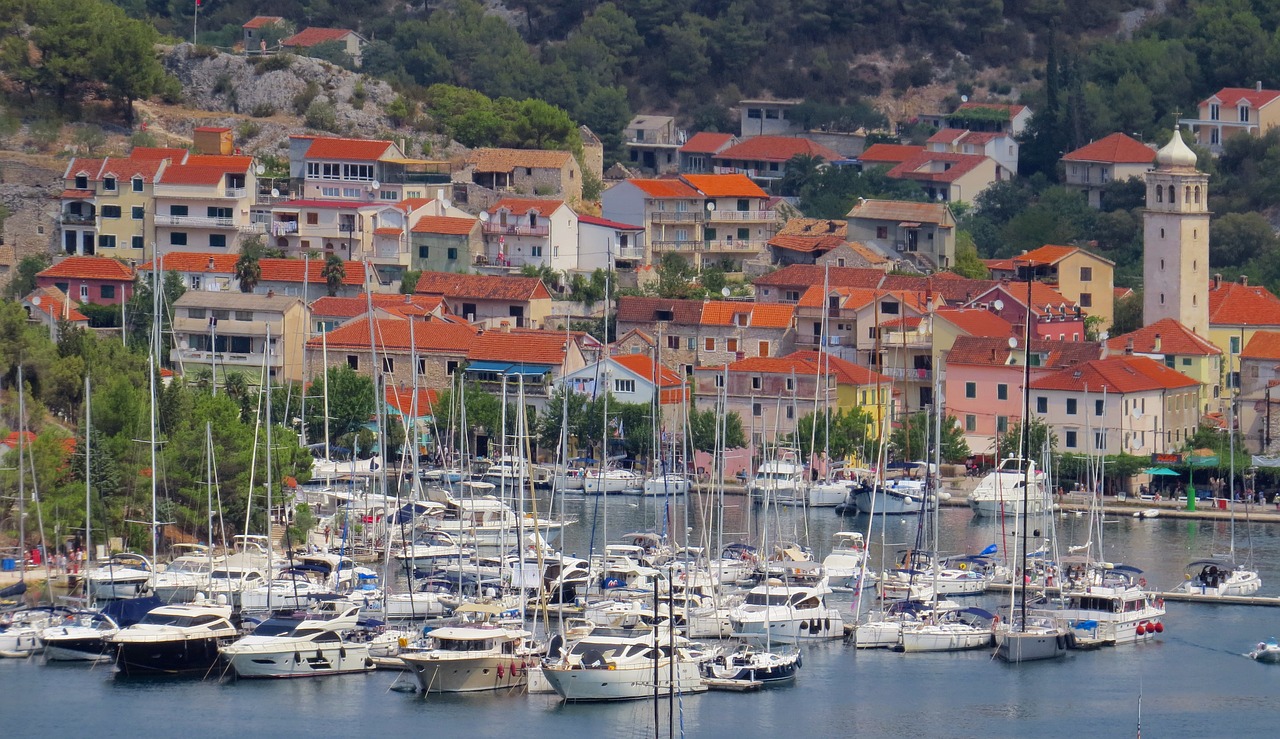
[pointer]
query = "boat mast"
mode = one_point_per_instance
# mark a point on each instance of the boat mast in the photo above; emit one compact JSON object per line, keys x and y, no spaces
{"x":266,"y":381}
{"x":88,"y":477}
{"x":324,"y":349}
{"x":22,"y":477}
{"x":151,"y":367}
{"x":1025,"y":442}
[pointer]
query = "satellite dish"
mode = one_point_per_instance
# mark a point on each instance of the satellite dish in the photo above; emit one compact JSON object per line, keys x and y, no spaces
{"x":1013,"y":342}
{"x":484,"y":216}
{"x":275,"y":193}
{"x":446,"y":203}
{"x":259,"y":169}
{"x":375,"y":185}
{"x":1137,"y":413}
{"x":1135,"y":444}
{"x":998,"y":305}
{"x":725,"y":291}
{"x":36,"y":301}
{"x":964,"y":98}
{"x":711,"y":205}
{"x":440,"y":194}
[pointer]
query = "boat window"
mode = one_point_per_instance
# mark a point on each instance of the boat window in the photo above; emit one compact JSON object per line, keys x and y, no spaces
{"x":275,"y":627}
{"x":202,"y":620}
{"x":164,"y":619}
{"x":763,"y":599}
{"x":327,"y":637}
{"x":810,"y":602}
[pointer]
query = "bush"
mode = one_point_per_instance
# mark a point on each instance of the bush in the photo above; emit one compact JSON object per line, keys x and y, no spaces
{"x":248,"y":129}
{"x":142,"y":138}
{"x":272,"y":63}
{"x":45,"y":133}
{"x":261,"y":110}
{"x":302,"y":101}
{"x":321,"y":115}
{"x":203,"y":51}
{"x":222,"y":85}
{"x":358,"y":95}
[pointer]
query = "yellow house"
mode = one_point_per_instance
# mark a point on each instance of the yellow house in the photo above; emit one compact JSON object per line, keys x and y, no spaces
{"x":1176,"y":346}
{"x":1234,"y":111}
{"x":1086,"y":279}
{"x":1238,"y":310}
{"x":856,"y":387}
{"x":951,"y":177}
{"x":203,"y":204}
{"x":107,"y":205}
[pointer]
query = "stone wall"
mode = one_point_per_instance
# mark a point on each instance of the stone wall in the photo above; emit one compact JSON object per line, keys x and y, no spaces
{"x":28,"y":193}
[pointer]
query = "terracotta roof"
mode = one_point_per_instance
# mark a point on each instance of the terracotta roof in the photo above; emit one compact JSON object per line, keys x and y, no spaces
{"x":976,"y":322}
{"x":810,"y":235}
{"x":71,"y":194}
{"x":484,"y":287}
{"x":55,"y":303}
{"x":854,"y":298}
{"x":227,"y":162}
{"x":1122,"y":374}
{"x":963,"y":137}
{"x":258,"y":21}
{"x":910,"y":323}
{"x":196,"y":262}
{"x":634,"y":309}
{"x":402,"y":399}
{"x":871,"y":257}
{"x":847,"y":372}
{"x":1174,"y":339}
{"x":309,"y":270}
{"x":1233,"y":304}
{"x":388,"y":231}
{"x":808,"y":275}
{"x":1012,"y":110}
{"x":606,"y":223}
{"x":1233,"y":96}
{"x":1116,"y":148}
{"x":364,"y":150}
{"x":505,"y":160}
{"x":89,"y":268}
{"x":212,"y":129}
{"x":777,"y":149}
{"x":127,"y":169}
{"x":666,"y":188}
{"x":920,"y":167}
{"x":787,"y":365}
{"x":1041,"y":295}
{"x":671,"y":385}
{"x":1263,"y":345}
{"x":1052,"y":254}
{"x":987,"y":351}
{"x":392,"y":334}
{"x":903,"y":211}
{"x":406,"y":305}
{"x":725,"y":185}
{"x":153,"y":153}
{"x":530,"y":347}
{"x":521,"y":206}
{"x":759,"y":315}
{"x":184,"y":174}
{"x":951,"y":287}
{"x":445,"y":225}
{"x":889,"y":153}
{"x":704,"y":142}
{"x":308,"y":37}
{"x":807,"y":244}
{"x":80,"y":166}
{"x":947,"y":136}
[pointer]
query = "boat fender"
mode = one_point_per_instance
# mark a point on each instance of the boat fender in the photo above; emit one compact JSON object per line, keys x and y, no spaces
{"x":804,"y":625}
{"x":319,"y":655}
{"x":515,"y":669}
{"x":964,"y":566}
{"x":1071,"y":640}
{"x":342,"y":652}
{"x":1140,"y":630}
{"x":1062,"y":641}
{"x":826,"y":624}
{"x":799,"y":661}
{"x":297,"y":657}
{"x":1159,"y":602}
{"x":1159,"y":627}
{"x":368,"y":663}
{"x":500,"y":671}
{"x":403,"y":642}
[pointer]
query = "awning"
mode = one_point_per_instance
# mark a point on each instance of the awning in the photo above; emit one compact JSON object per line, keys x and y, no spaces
{"x":529,"y":370}
{"x":498,"y":367}
{"x":510,"y":369}
{"x":908,"y":224}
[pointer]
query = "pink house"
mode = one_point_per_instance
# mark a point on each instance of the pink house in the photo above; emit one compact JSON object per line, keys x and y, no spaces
{"x":98,"y":280}
{"x":1056,"y":317}
{"x":984,"y":382}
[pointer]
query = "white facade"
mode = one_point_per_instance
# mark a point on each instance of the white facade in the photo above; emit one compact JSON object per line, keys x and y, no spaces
{"x":603,"y":247}
{"x":626,"y":386}
{"x":532,"y":238}
{"x":1176,"y":240}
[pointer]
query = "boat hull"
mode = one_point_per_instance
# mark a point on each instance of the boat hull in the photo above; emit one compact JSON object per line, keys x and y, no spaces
{"x":627,"y":683}
{"x":944,"y":639}
{"x":995,"y":508}
{"x":19,"y":643}
{"x":827,"y":495}
{"x":116,"y":589}
{"x":772,"y":672}
{"x":888,"y":504}
{"x":829,"y":624}
{"x":1031,"y":646}
{"x":75,"y":648}
{"x":307,"y":661}
{"x":467,"y":675}
{"x":169,"y":657}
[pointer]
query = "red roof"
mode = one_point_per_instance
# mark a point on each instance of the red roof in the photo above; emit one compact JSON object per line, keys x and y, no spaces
{"x":127,"y":169}
{"x":392,"y":334}
{"x":1263,"y":345}
{"x":1042,"y":295}
{"x":636,"y":309}
{"x":1234,"y":304}
{"x":55,"y":303}
{"x":759,"y":315}
{"x":1174,"y":339}
{"x":1119,"y":374}
{"x":402,"y":399}
{"x":776,"y":149}
{"x":1233,"y":96}
{"x":704,"y":142}
{"x":227,"y":162}
{"x":309,"y":37}
{"x":213,"y":129}
{"x":89,"y":268}
{"x":309,"y":270}
{"x":406,"y":305}
{"x":643,"y":365}
{"x":790,"y":364}
{"x":1116,"y":148}
{"x":666,"y":188}
{"x":920,"y":166}
{"x":806,"y":244}
{"x":530,"y":347}
{"x":196,"y":262}
{"x":992,"y":351}
{"x":909,"y":323}
{"x":521,"y":206}
{"x":71,"y":194}
{"x":153,"y":153}
{"x":258,"y":21}
{"x":725,"y":185}
{"x":606,"y":223}
{"x":976,"y":322}
{"x":364,"y":150}
{"x":444,"y":225}
{"x":889,"y":153}
{"x":388,"y":231}
{"x":847,"y":372}
{"x":183,"y":174}
{"x":484,"y":287}
{"x":807,"y":275}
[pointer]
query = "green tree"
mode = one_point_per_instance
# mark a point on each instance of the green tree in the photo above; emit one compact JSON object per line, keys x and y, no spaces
{"x":1237,"y":238}
{"x":351,"y":402}
{"x":968,"y":263}
{"x":703,"y":434}
{"x":851,"y":431}
{"x":1128,"y":314}
{"x":675,"y":276}
{"x":908,"y":440}
{"x":1041,"y":434}
{"x":24,"y":277}
{"x":409,"y":281}
{"x":334,"y":272}
{"x":248,"y":271}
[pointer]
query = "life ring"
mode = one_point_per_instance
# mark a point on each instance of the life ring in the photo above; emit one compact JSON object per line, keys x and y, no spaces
{"x":964,"y":566}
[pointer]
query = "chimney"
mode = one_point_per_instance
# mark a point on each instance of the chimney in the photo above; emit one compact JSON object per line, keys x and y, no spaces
{"x":505,"y":327}
{"x":1244,"y":280}
{"x":1217,"y":280}
{"x":210,"y":263}
{"x":271,"y":293}
{"x":1128,"y":346}
{"x":1155,"y":344}
{"x":1257,"y":86}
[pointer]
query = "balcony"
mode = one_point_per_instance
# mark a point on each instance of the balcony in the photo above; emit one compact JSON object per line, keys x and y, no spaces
{"x":284,"y":228}
{"x":678,"y":216}
{"x":909,"y":339}
{"x":629,"y":252}
{"x":74,"y":219}
{"x":734,"y":245}
{"x":256,"y":330}
{"x":511,"y":229}
{"x":196,"y":222}
{"x":675,"y":245}
{"x":234,"y":192}
{"x":909,"y":374}
{"x":744,"y":215}
{"x":249,"y":359}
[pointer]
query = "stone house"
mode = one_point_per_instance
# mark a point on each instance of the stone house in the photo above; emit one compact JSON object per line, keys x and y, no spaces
{"x":906,"y":230}
{"x":352,"y":43}
{"x":527,"y":172}
{"x":445,"y":243}
{"x":439,"y":347}
{"x":693,"y":333}
{"x":523,"y":302}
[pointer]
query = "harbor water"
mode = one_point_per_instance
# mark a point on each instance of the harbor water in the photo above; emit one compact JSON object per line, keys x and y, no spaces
{"x":1192,"y":681}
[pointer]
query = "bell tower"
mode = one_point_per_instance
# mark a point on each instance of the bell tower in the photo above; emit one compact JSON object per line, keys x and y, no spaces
{"x":1175,"y":240}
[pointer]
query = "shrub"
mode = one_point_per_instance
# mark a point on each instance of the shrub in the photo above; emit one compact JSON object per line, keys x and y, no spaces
{"x":321,"y":115}
{"x":222,"y":85}
{"x":272,"y":63}
{"x":203,"y":51}
{"x":261,"y":110}
{"x":248,"y":129}
{"x":142,"y":138}
{"x":302,"y":101}
{"x":358,"y":95}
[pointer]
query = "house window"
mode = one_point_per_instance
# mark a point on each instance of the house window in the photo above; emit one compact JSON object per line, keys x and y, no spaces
{"x":82,"y":182}
{"x":971,"y":390}
{"x":137,"y":184}
{"x":744,"y":204}
{"x":450,"y":367}
{"x":196,"y":313}
{"x":673,"y":341}
{"x":535,"y":251}
{"x":195,"y":282}
{"x":709,"y":344}
{"x":1097,"y":407}
{"x":331,"y":192}
{"x":136,"y":242}
{"x":178,"y":238}
{"x":882,"y":232}
{"x":109,"y":184}
{"x":424,"y":252}
{"x":1186,"y":361}
{"x":970,"y":423}
{"x":763,"y":349}
{"x":1235,"y":344}
{"x":84,"y":293}
{"x":1086,"y":300}
{"x":791,"y":296}
{"x":889,"y":308}
{"x":244,"y":315}
{"x":110,"y":211}
{"x":1071,"y":439}
{"x":1086,"y":274}
{"x":138,"y":212}
{"x":353,"y":361}
{"x":757,"y":382}
{"x":744,"y":233}
{"x":624,"y":386}
{"x":313,"y":219}
{"x":1170,"y":361}
{"x":178,"y":210}
{"x":388,"y":365}
{"x":106,"y":241}
{"x":757,"y":410}
{"x":1071,"y":406}
{"x":690,"y":343}
{"x":1099,"y":440}
{"x":719,"y":380}
{"x":1002,"y":424}
{"x":731,"y":345}
{"x":1002,"y":391}
{"x":1244,"y":114}
{"x":218,"y":241}
{"x":1042,"y":405}
{"x":791,"y":384}
{"x":1214,"y":111}
{"x":791,"y":412}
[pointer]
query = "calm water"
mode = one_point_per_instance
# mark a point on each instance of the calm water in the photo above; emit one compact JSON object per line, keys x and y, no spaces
{"x":1194,"y":681}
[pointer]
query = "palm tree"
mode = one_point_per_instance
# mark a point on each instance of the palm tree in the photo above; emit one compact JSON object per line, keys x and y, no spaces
{"x":334,"y":272}
{"x":798,"y":172}
{"x":248,"y":271}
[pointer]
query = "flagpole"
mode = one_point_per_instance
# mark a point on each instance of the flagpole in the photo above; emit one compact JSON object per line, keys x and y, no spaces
{"x":195,"y":20}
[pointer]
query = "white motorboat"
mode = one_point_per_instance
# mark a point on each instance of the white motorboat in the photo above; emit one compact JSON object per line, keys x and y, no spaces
{"x":845,"y":562}
{"x":508,"y":473}
{"x":569,"y":478}
{"x":949,"y":631}
{"x":188,"y":574}
{"x":174,"y":639}
{"x":670,"y":483}
{"x":482,"y":520}
{"x":124,"y":575}
{"x":1104,"y":603}
{"x":781,"y":480}
{"x":787,"y":614}
{"x":615,"y":663}
{"x":828,"y":494}
{"x":307,"y":644}
{"x":1000,"y":492}
{"x":429,"y":600}
{"x":427,"y":547}
{"x":597,"y":482}
{"x":230,"y":581}
{"x":81,"y":636}
{"x":1267,"y":651}
{"x":473,"y":657}
{"x":898,"y":497}
{"x":20,"y":630}
{"x":1220,"y":577}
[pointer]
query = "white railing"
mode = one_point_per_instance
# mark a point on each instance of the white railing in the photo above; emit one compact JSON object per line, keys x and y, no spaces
{"x":234,"y":192}
{"x":195,"y":221}
{"x":743,"y":215}
{"x":630,"y":252}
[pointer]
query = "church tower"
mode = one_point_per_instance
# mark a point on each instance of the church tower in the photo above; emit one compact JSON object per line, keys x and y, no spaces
{"x":1175,"y":240}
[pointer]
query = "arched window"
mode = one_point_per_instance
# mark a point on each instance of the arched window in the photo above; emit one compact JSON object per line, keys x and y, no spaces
{"x":1159,"y":194}
{"x":1186,"y":196}
{"x":1173,"y":195}
{"x":1197,"y":194}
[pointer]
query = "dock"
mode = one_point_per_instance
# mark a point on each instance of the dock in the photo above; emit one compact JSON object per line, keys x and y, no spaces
{"x":736,"y":686}
{"x":1177,"y":596}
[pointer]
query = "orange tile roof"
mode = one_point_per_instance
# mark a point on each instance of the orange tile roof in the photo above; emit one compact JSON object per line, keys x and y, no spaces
{"x":666,"y":188}
{"x":643,"y":365}
{"x":308,"y":270}
{"x":951,"y":287}
{"x":89,"y":268}
{"x":847,"y":372}
{"x":153,"y":153}
{"x":1263,"y":345}
{"x":127,"y":169}
{"x":871,"y":257}
{"x":484,"y":287}
{"x":704,"y":142}
{"x":1233,"y":96}
{"x":636,"y":309}
{"x":340,"y":307}
{"x":1233,"y":304}
{"x":402,"y":399}
{"x":918,"y":167}
{"x":185,"y":174}
{"x":606,"y":223}
{"x":814,"y":227}
{"x":1120,"y":374}
{"x":759,"y":315}
{"x":55,"y":303}
{"x":195,"y":262}
{"x":807,"y":275}
{"x":80,"y":166}
{"x":308,"y":37}
{"x":388,"y":231}
{"x":72,"y":194}
{"x":976,"y":322}
{"x":445,"y":225}
{"x":392,"y":334}
{"x":725,"y":185}
{"x":505,"y":160}
{"x":1041,"y":295}
{"x":909,"y":323}
{"x":258,"y":21}
{"x":1174,"y":339}
{"x":228,"y":162}
{"x":988,"y":351}
{"x":521,"y":206}
{"x":776,"y":149}
{"x":902,"y":211}
{"x":530,"y":347}
{"x":363,"y":150}
{"x":787,"y":365}
{"x":1116,"y":148}
{"x":806,"y":244}
{"x":856,"y":298}
{"x":889,"y":153}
